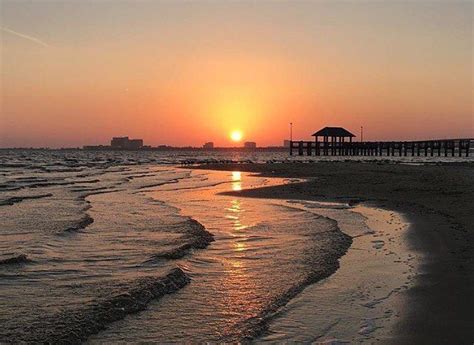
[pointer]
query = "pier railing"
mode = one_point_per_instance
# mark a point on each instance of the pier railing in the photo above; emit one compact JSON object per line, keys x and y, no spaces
{"x":446,"y":147}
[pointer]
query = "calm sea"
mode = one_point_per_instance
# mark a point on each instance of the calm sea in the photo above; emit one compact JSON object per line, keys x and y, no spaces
{"x":130,"y":246}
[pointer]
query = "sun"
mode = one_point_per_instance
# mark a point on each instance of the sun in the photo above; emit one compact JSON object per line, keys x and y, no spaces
{"x":236,"y":135}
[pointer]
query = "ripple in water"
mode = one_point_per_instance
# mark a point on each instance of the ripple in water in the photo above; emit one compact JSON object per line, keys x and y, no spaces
{"x":132,"y":234}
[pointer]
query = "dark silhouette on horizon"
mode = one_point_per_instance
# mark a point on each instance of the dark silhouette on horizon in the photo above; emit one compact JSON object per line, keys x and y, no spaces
{"x":334,"y":144}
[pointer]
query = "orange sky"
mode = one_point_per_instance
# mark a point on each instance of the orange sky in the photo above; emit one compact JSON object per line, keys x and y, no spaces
{"x":183,"y":73}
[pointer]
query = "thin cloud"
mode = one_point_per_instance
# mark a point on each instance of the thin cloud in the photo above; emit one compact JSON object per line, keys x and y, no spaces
{"x":29,"y":38}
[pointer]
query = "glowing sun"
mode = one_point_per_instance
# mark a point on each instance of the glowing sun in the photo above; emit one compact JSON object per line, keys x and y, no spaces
{"x":236,"y":135}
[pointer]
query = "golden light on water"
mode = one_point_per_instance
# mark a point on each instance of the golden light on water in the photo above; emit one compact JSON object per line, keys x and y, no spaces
{"x":236,"y":181}
{"x":236,"y":176}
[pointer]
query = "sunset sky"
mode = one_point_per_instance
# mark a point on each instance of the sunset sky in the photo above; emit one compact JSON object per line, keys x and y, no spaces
{"x":183,"y":73}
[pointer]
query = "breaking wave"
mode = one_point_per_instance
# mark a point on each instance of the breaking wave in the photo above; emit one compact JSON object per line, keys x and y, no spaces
{"x":83,"y":223}
{"x":196,"y":237}
{"x":323,"y":264}
{"x":75,"y":326}
{"x":15,"y":260}
{"x":16,"y":199}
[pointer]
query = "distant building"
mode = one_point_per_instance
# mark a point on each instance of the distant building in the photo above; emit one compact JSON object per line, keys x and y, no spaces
{"x":126,"y":143}
{"x":135,"y":144}
{"x":208,"y":145}
{"x":286,"y":143}
{"x":119,"y":142}
{"x":250,"y":145}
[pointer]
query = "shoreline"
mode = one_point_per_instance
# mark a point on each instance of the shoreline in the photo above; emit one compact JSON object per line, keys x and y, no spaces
{"x":434,"y":199}
{"x":251,"y":269}
{"x":360,"y":301}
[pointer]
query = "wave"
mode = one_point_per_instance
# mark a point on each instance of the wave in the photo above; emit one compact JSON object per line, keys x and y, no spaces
{"x":33,"y":182}
{"x":51,"y":184}
{"x":338,"y":243}
{"x":87,"y":181}
{"x":83,"y":223}
{"x":5,"y":187}
{"x":161,"y":183}
{"x":165,"y":182}
{"x":137,"y":176}
{"x":157,"y":184}
{"x":196,"y":237}
{"x":84,"y":195}
{"x":16,"y":199}
{"x":86,"y":220}
{"x":80,"y":189}
{"x":75,"y":326}
{"x":14,"y":260}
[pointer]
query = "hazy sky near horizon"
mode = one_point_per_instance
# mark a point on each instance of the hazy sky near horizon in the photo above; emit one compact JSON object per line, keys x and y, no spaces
{"x":187,"y":72}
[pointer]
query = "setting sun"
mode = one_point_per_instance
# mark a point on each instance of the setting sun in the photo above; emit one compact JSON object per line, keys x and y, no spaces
{"x":220,"y":144}
{"x":236,"y":135}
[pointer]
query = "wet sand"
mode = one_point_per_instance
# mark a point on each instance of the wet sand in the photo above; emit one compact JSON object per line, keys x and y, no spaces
{"x":438,"y":202}
{"x":360,"y":302}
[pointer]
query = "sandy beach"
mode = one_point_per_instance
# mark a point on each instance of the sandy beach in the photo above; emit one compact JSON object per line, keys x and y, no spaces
{"x":437,"y":202}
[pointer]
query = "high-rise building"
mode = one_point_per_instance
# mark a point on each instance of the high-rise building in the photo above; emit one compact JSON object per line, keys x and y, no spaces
{"x":126,"y":143}
{"x":119,"y":142}
{"x":250,"y":145}
{"x":135,"y":144}
{"x":208,"y":145}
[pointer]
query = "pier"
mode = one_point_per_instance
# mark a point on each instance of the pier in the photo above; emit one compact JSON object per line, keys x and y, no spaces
{"x":445,"y":147}
{"x":338,"y":142}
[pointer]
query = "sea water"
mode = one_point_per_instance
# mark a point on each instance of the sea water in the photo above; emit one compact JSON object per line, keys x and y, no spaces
{"x":128,"y":246}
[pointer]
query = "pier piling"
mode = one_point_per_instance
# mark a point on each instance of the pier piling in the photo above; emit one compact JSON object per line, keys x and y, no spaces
{"x":335,"y":146}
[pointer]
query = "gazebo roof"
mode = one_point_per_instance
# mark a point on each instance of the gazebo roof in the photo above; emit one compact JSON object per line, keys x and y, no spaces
{"x":333,"y":132}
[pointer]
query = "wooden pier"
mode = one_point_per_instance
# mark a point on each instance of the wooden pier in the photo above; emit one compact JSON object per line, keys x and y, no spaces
{"x":443,"y":147}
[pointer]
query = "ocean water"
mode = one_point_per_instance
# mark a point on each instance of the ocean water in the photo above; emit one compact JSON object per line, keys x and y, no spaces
{"x":131,"y":247}
{"x":98,"y":247}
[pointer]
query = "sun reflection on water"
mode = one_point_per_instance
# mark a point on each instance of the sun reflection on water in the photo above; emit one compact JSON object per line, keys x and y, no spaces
{"x":239,"y":246}
{"x":234,"y":214}
{"x":236,"y":210}
{"x":236,"y":181}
